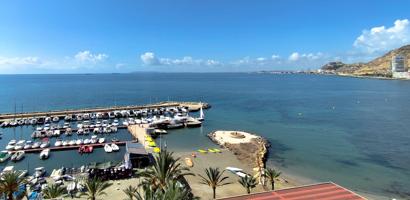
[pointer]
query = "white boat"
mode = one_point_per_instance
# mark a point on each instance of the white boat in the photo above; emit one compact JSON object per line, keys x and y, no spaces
{"x":36,"y":145}
{"x":17,"y":156}
{"x":28,"y":145}
{"x":39,"y":128}
{"x":58,"y":143}
{"x":115,"y":123}
{"x":72,"y":142}
{"x":12,"y":142}
{"x":10,"y":147}
{"x":18,"y":146}
{"x":125,"y":123}
{"x":241,"y":174}
{"x":87,"y":141}
{"x":101,"y":140}
{"x":107,"y":148}
{"x":45,"y":144}
{"x":79,"y":142}
{"x":21,"y":142}
{"x":39,"y":172}
{"x":80,"y":131}
{"x":80,"y":125}
{"x":56,"y":132}
{"x":201,"y":115}
{"x":115,"y":147}
{"x":56,"y":119}
{"x":64,"y":143}
{"x":44,"y":154}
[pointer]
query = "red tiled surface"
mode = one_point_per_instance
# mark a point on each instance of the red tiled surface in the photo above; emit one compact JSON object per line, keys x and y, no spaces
{"x":321,"y":191}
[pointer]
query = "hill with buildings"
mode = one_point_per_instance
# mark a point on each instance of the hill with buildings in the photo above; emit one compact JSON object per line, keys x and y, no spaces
{"x":380,"y":67}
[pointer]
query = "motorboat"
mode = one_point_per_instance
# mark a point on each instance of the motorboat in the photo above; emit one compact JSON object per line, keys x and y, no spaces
{"x":18,"y":146}
{"x":114,"y":147}
{"x":234,"y":169}
{"x":12,"y":142}
{"x":101,"y":140}
{"x":45,"y":143}
{"x":66,"y":125}
{"x":36,"y":145}
{"x":80,"y":131}
{"x":64,"y":143}
{"x":107,"y":148}
{"x":10,"y":147}
{"x":4,"y":155}
{"x":98,"y":124}
{"x":56,"y":119}
{"x":18,"y":155}
{"x":72,"y":142}
{"x":79,"y":142}
{"x":116,"y":122}
{"x":45,"y":153}
{"x":68,"y":131}
{"x":93,"y":139}
{"x":87,"y":141}
{"x":58,"y":143}
{"x":47,"y":119}
{"x":28,"y":145}
{"x":86,"y":131}
{"x":39,"y":172}
{"x":56,"y":133}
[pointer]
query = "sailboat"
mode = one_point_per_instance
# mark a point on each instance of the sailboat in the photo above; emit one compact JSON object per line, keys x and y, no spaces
{"x":201,"y":115}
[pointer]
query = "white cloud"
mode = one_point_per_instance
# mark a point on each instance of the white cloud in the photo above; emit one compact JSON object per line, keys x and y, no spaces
{"x":275,"y":57}
{"x":149,"y":58}
{"x":381,"y":38}
{"x":88,"y":57}
{"x":20,"y":61}
{"x":294,"y":56}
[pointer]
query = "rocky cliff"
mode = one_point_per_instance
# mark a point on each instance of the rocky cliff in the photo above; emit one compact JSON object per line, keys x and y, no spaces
{"x":380,"y":66}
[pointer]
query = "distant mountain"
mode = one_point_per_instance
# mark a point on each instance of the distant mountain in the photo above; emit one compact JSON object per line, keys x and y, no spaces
{"x":380,"y":66}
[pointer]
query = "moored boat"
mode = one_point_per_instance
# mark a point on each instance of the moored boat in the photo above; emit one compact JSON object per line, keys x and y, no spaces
{"x":107,"y":148}
{"x":18,"y":155}
{"x":4,"y":155}
{"x":44,"y":154}
{"x":115,"y":147}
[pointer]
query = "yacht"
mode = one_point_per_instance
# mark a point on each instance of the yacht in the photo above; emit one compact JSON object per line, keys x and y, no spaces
{"x":201,"y":115}
{"x":79,"y":142}
{"x":4,"y":155}
{"x":64,"y":143}
{"x":10,"y":147}
{"x":115,"y":123}
{"x":72,"y":142}
{"x":107,"y":148}
{"x":80,"y":131}
{"x":44,"y":154}
{"x":56,"y":119}
{"x":18,"y":155}
{"x":58,"y":143}
{"x":28,"y":145}
{"x":93,"y":139}
{"x":39,"y":172}
{"x":36,"y":145}
{"x":87,"y":141}
{"x":66,"y":125}
{"x":114,"y":147}
{"x":46,"y":143}
{"x":101,"y":140}
{"x":12,"y":142}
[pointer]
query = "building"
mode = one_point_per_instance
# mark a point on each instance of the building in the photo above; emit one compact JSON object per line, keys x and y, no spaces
{"x":136,"y":156}
{"x":320,"y":191}
{"x":398,"y":64}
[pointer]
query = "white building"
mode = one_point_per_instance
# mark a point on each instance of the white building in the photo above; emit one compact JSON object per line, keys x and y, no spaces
{"x":398,"y":64}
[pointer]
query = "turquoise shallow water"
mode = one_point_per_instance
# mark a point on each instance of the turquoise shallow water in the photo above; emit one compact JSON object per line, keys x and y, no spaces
{"x":354,"y":132}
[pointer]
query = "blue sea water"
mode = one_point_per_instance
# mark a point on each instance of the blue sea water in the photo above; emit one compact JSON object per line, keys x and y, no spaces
{"x":354,"y":132}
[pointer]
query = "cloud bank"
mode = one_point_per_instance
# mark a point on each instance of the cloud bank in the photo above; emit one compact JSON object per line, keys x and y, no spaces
{"x":380,"y":39}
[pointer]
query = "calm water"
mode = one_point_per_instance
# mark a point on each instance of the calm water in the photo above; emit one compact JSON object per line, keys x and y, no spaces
{"x":354,"y":132}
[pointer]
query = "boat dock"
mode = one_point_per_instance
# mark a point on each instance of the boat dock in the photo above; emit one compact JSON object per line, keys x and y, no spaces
{"x":192,"y":106}
{"x":140,"y":132}
{"x":62,"y":148}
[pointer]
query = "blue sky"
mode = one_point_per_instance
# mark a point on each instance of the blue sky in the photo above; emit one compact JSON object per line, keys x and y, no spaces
{"x":48,"y":36}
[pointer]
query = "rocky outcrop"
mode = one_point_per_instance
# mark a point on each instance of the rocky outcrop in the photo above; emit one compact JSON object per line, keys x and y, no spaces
{"x":252,"y":152}
{"x":380,"y":66}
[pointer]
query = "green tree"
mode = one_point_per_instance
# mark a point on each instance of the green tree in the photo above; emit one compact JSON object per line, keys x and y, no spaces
{"x":9,"y":183}
{"x":272,"y":174}
{"x":164,"y":169}
{"x":54,"y":191}
{"x":173,"y":191}
{"x":214,"y":178}
{"x":95,"y":187}
{"x":131,"y":192}
{"x":248,"y":182}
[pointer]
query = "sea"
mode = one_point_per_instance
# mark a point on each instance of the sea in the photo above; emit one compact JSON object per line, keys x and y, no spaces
{"x":351,"y":131}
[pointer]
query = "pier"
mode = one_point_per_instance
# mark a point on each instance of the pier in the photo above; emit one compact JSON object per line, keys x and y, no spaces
{"x":62,"y":148}
{"x":192,"y":106}
{"x":140,"y":132}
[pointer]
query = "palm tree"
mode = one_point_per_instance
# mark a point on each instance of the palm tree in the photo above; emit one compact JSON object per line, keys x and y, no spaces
{"x":214,"y":178}
{"x":248,"y":182}
{"x":95,"y":187}
{"x":164,"y":169}
{"x":172,"y":191}
{"x":9,"y":183}
{"x":131,"y":192}
{"x":53,"y":191}
{"x":272,"y":174}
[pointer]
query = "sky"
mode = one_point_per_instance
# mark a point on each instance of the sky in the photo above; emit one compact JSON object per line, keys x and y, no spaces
{"x":86,"y":36}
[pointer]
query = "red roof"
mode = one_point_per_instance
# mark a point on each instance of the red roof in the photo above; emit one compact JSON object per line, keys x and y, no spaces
{"x":321,"y":191}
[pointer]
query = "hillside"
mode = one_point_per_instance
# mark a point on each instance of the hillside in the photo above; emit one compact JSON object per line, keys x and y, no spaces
{"x":380,"y":66}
